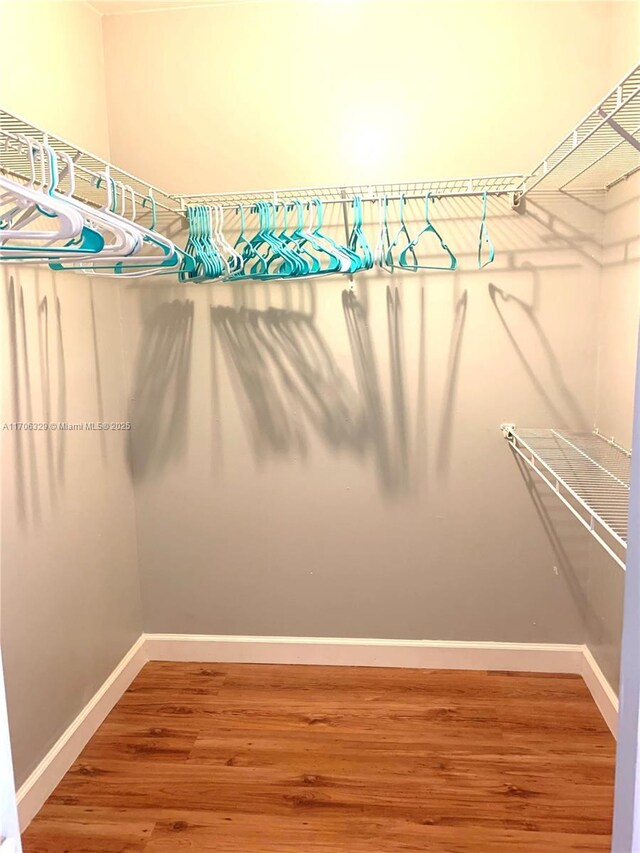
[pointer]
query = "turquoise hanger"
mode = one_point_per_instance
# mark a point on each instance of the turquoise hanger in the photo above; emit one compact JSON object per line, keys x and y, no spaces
{"x":403,"y":231}
{"x":344,"y":253}
{"x":484,"y":240}
{"x":428,"y":228}
{"x":384,"y":258}
{"x":301,"y":239}
{"x":357,"y":240}
{"x":202,"y":259}
{"x":243,"y":247}
{"x":330,"y":248}
{"x":289,"y":264}
{"x":154,"y":217}
{"x":171,"y":254}
{"x":297,"y":263}
{"x":260,"y":245}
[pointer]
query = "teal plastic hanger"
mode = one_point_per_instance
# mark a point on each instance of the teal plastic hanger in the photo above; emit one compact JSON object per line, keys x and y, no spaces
{"x":307,"y":246}
{"x":402,"y":231}
{"x":262,"y":246}
{"x":349,"y":259}
{"x":243,"y":247}
{"x":200,"y":259}
{"x":302,"y":240}
{"x":168,"y":261}
{"x":384,"y":239}
{"x":428,"y":228}
{"x":357,"y":241}
{"x":323,"y":243}
{"x":296,"y":264}
{"x":287,"y":263}
{"x":484,"y":240}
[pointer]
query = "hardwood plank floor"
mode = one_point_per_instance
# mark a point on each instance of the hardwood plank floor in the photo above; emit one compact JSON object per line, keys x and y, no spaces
{"x":276,"y":759}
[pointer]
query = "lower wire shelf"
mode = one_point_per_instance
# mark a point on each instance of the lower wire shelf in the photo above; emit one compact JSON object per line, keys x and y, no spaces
{"x":588,"y":472}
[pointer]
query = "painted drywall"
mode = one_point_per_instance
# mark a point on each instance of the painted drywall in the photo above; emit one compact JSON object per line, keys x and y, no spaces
{"x":52,"y":69}
{"x":70,"y":595}
{"x":305,"y":92}
{"x":619,"y":310}
{"x":619,"y":317}
{"x":333,"y":466}
{"x":309,"y":461}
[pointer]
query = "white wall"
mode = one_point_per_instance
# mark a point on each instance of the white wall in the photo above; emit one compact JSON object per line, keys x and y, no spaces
{"x":52,"y":69}
{"x":260,"y":509}
{"x":359,"y":485}
{"x":619,"y":316}
{"x":303,"y":92}
{"x":70,"y":593}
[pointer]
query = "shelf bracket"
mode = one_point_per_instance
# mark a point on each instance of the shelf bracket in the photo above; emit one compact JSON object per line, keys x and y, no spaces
{"x":620,"y":130}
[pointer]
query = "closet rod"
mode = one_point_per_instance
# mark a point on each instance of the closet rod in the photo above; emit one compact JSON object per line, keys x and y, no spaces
{"x":277,"y":199}
{"x":494,"y":185}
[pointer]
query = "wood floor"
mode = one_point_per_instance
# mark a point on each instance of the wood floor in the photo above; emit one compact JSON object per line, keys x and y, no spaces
{"x":277,"y":759}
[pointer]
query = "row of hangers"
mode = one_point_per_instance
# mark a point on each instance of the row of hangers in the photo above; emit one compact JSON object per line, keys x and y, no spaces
{"x":43,"y":221}
{"x":289,"y":242}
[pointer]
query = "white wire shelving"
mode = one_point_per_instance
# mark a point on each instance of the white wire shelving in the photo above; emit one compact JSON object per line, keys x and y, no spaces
{"x":89,"y":169}
{"x":589,"y":473}
{"x":495,"y":185}
{"x":603,"y":149}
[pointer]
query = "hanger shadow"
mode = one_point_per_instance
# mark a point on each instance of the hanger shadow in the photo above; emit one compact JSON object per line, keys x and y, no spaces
{"x":570,"y":545}
{"x":289,"y":387}
{"x":27,"y":406}
{"x":158,"y":407}
{"x":285,"y":377}
{"x":445,"y":437}
{"x":500,"y":298}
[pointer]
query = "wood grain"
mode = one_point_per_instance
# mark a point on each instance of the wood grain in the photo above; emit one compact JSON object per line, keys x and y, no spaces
{"x":275,"y":759}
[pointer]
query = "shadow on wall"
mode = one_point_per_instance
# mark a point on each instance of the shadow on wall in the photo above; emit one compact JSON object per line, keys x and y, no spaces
{"x":39,"y":459}
{"x":288,"y":386}
{"x":285,"y":376}
{"x":567,"y":538}
{"x":399,"y":465}
{"x":445,"y":436}
{"x":159,"y":402}
{"x":557,"y":397}
{"x":293,"y":386}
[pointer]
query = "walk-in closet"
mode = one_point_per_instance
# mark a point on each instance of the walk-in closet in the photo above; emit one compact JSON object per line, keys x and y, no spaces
{"x":319,"y":327}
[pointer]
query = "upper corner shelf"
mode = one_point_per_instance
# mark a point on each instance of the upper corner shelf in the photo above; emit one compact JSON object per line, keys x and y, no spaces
{"x":88,"y":168}
{"x":601,"y":151}
{"x":588,"y":472}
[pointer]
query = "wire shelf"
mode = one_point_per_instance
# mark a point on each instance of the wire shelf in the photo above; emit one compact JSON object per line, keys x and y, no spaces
{"x":588,"y":472}
{"x":469,"y":186}
{"x":602,"y":150}
{"x":14,"y":162}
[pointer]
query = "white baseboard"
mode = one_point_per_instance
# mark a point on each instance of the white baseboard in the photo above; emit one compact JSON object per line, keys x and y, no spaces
{"x":603,"y":693}
{"x":423,"y":654}
{"x":32,"y":795}
{"x":345,"y":651}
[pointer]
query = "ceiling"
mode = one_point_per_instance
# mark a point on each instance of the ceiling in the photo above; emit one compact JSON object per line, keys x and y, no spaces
{"x":120,"y":7}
